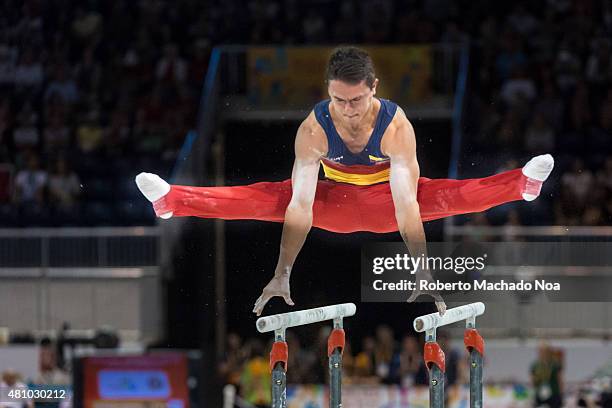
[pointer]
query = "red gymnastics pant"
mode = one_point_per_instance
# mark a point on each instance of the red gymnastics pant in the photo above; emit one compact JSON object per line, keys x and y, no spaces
{"x":345,"y":208}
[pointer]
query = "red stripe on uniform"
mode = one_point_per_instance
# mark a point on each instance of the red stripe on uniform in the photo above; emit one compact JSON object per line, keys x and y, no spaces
{"x":357,"y":168}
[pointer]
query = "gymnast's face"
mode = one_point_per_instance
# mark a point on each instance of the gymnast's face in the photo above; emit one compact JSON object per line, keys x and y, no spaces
{"x":351,"y":101}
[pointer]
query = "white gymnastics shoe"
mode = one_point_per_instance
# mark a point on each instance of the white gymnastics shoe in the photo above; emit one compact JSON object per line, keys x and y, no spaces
{"x":153,"y":188}
{"x":537,"y":171}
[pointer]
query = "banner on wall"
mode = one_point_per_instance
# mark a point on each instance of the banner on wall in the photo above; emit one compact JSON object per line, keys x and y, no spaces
{"x":376,"y":396}
{"x":156,"y":380}
{"x":293,"y":77}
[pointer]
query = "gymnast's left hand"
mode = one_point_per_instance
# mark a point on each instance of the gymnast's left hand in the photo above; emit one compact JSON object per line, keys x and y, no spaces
{"x":278,"y":286}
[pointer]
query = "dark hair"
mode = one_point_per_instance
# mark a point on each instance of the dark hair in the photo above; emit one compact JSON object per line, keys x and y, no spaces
{"x":351,"y":65}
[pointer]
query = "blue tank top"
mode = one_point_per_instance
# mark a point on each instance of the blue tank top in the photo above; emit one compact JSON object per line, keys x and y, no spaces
{"x":337,"y":150}
{"x":370,"y":166}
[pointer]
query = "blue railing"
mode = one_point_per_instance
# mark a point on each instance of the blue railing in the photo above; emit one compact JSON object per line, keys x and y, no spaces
{"x":453,"y":167}
{"x":207,"y":104}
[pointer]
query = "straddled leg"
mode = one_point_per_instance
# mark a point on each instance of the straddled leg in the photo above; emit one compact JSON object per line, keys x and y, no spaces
{"x":347,"y":208}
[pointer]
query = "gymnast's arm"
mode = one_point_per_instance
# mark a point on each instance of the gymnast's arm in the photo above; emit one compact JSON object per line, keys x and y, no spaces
{"x":310,"y":146}
{"x":400,"y":145}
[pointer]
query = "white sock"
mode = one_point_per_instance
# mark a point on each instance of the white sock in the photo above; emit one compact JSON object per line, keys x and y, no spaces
{"x":153,"y":188}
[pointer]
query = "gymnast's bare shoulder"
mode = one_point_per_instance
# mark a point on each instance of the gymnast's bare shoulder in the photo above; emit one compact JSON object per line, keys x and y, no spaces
{"x":310,"y":141}
{"x":399,"y":135}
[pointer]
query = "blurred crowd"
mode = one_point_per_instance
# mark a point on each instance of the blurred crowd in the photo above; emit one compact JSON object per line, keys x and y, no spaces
{"x":91,"y":92}
{"x":542,"y":83}
{"x":379,"y":359}
{"x":50,"y":377}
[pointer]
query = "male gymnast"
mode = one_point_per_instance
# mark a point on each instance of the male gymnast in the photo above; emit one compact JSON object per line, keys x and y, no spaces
{"x":367,"y":148}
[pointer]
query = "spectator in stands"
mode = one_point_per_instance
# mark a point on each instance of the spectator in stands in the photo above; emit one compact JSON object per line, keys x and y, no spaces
{"x":453,"y":34}
{"x":513,"y":220}
{"x":7,"y":67}
{"x":11,"y":379}
{"x":199,"y":63}
{"x":89,"y":133}
{"x":50,"y":373}
{"x":412,"y":369}
{"x":348,"y":362}
{"x":230,"y":369}
{"x":407,"y":27}
{"x":546,"y":378}
{"x":149,"y":130}
{"x":365,"y":361}
{"x":5,"y":130}
{"x":518,"y":88}
{"x":540,"y":136}
{"x":344,"y":31}
{"x":56,"y":135}
{"x":608,"y":210}
{"x":255,"y":380}
{"x":521,"y":21}
{"x":604,"y":176}
{"x":566,"y":212}
{"x":599,"y":137}
{"x":171,"y":68}
{"x":543,"y":42}
{"x":488,"y":32}
{"x":86,"y":24}
{"x":88,"y":73}
{"x":605,"y":399}
{"x":377,"y":21}
{"x":321,"y":372}
{"x":578,"y":188}
{"x":385,"y":350}
{"x":578,"y":182}
{"x":572,"y":140}
{"x":29,"y":73}
{"x":26,"y":135}
{"x":567,"y":68}
{"x":599,"y":64}
{"x":148,"y":137}
{"x":117,"y":134}
{"x":30,"y":183}
{"x":455,"y":369}
{"x":302,"y":362}
{"x":593,"y":215}
{"x":478,"y":220}
{"x":512,"y":55}
{"x":580,"y":102}
{"x":63,"y":86}
{"x":313,"y":27}
{"x":6,"y":179}
{"x":64,"y":187}
{"x":550,"y":105}
{"x":509,"y":131}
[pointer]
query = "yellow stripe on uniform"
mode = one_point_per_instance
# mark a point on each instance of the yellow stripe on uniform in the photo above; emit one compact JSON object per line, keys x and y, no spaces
{"x":358,"y":179}
{"x":374,"y":158}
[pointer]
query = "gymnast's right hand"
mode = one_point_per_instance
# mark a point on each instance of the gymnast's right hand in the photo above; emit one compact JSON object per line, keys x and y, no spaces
{"x":278,"y":286}
{"x":425,"y":275}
